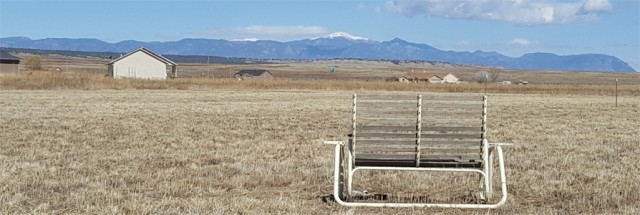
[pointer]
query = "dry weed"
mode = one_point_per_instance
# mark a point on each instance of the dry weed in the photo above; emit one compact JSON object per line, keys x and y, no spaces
{"x":88,"y":81}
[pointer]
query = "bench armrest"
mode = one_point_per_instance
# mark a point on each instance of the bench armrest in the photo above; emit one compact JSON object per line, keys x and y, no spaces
{"x":334,"y":142}
{"x":501,"y":144}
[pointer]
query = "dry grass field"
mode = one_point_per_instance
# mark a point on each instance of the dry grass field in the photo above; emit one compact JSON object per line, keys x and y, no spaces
{"x":348,"y":70}
{"x":258,"y":151}
{"x":45,"y":80}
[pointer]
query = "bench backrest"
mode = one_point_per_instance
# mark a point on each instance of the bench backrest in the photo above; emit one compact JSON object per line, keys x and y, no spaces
{"x":432,"y":128}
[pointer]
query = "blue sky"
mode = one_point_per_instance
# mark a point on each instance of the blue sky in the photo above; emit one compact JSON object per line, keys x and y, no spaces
{"x":511,"y":27}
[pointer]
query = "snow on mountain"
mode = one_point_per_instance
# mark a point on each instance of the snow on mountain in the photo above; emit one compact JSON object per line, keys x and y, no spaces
{"x":245,"y":40}
{"x":344,"y":35}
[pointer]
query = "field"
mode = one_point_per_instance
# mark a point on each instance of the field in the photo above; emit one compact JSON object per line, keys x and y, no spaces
{"x":348,"y":70}
{"x":253,"y":150}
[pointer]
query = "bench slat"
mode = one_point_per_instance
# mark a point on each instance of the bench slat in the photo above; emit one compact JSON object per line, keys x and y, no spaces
{"x":452,"y":128}
{"x":368,"y":149}
{"x":449,"y":157}
{"x":386,"y":122}
{"x":379,"y":156}
{"x":462,"y":119}
{"x":441,"y":106}
{"x":388,"y":97}
{"x":376,"y":150}
{"x":386,"y":135}
{"x":365,"y":118}
{"x":372,"y":104}
{"x":462,"y":136}
{"x":395,"y":142}
{"x":407,"y":128}
{"x":388,"y":112}
{"x":451,"y":144}
{"x":452,"y":98}
{"x":425,"y":144}
{"x":366,"y":128}
{"x":451,"y":151}
{"x":453,"y":113}
{"x":451,"y":122}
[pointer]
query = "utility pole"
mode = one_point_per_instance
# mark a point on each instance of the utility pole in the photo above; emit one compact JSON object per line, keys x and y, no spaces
{"x":486,"y":79}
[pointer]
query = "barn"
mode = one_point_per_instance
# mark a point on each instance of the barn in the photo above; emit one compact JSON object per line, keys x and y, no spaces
{"x":251,"y":74}
{"x":142,"y":63}
{"x":434,"y":78}
{"x":9,"y":63}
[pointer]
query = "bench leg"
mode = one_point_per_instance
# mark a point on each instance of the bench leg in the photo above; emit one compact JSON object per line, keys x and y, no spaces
{"x":349,"y":164}
{"x":338,"y":185}
{"x":338,"y":175}
{"x":489,"y":189}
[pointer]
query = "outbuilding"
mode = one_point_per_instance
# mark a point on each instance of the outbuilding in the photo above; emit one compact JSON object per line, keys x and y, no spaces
{"x":9,"y":63}
{"x":142,"y":63}
{"x":256,"y":73}
{"x":434,"y":78}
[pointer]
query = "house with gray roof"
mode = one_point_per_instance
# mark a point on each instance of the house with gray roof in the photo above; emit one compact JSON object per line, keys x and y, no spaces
{"x":144,"y":64}
{"x":9,"y":63}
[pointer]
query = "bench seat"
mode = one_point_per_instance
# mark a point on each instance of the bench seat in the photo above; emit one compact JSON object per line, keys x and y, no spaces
{"x":445,"y":163}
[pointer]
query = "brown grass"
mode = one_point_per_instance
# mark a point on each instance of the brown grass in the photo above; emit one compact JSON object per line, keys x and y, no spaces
{"x":259,"y":151}
{"x":350,"y":70}
{"x":86,"y":81}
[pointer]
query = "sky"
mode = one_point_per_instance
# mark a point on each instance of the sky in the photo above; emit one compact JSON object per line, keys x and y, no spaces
{"x":510,"y":27}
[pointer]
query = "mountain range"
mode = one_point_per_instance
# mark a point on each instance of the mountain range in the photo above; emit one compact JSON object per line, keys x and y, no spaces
{"x":336,"y":45}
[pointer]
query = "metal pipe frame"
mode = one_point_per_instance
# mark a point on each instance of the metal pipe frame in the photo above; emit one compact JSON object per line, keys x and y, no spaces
{"x":338,"y":188}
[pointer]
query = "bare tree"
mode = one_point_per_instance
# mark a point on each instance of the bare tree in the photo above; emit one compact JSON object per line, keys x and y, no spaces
{"x":483,"y":76}
{"x":34,"y":63}
{"x":493,"y":75}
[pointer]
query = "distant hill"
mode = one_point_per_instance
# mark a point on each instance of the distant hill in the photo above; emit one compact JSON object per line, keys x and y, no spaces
{"x":337,"y":45}
{"x":114,"y":55}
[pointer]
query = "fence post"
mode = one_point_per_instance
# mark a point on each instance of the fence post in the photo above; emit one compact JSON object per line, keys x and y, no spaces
{"x":616,"y":92}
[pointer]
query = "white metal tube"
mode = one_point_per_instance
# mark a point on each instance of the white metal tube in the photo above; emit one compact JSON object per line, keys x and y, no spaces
{"x":489,"y":189}
{"x":351,"y":146}
{"x":485,"y":167}
{"x":337,"y":194}
{"x":419,"y":169}
{"x":503,"y":176}
{"x":419,"y":131}
{"x":350,"y":160}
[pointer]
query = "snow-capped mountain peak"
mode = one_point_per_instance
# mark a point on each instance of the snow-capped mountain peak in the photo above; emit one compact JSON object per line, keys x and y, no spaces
{"x":344,"y":35}
{"x":245,"y":40}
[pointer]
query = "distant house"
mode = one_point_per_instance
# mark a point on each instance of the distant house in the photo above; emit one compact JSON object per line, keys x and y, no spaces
{"x":434,"y":78}
{"x":9,"y":63}
{"x":142,"y":63}
{"x":249,"y":74}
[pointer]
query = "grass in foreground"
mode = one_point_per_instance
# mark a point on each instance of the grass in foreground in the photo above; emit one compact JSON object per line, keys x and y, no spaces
{"x":250,"y":151}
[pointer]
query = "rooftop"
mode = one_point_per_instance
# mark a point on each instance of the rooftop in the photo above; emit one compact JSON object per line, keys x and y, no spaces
{"x":148,"y":52}
{"x":4,"y":55}
{"x":254,"y":72}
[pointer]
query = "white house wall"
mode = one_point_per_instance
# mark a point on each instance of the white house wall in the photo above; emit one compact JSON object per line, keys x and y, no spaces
{"x":9,"y":68}
{"x":139,"y":65}
{"x":435,"y":80}
{"x":449,"y":79}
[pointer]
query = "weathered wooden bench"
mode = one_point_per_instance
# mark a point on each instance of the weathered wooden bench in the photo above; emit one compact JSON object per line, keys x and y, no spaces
{"x":444,"y":132}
